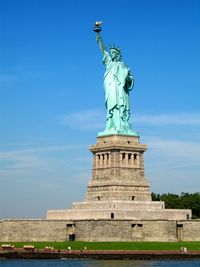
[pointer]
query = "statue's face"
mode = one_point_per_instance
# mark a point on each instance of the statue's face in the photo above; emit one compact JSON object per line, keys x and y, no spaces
{"x":114,"y":54}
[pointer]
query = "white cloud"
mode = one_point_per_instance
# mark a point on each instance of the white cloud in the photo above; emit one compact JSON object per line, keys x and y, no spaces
{"x":91,"y":119}
{"x":173,"y":166}
{"x":177,"y":149}
{"x":17,"y":166}
{"x":8,"y":154}
{"x":169,"y":119}
{"x":173,"y":155}
{"x":33,"y":160}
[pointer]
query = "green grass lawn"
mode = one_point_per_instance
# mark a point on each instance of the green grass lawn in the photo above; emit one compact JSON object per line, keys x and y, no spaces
{"x":77,"y":245}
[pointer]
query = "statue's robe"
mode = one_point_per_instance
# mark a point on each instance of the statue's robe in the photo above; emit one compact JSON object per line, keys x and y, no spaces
{"x":118,"y":81}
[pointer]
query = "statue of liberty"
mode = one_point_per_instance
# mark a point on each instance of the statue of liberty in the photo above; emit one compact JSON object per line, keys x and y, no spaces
{"x":118,"y":82}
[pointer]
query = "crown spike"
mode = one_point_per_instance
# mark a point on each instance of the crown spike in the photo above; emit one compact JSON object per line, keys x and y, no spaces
{"x":113,"y":47}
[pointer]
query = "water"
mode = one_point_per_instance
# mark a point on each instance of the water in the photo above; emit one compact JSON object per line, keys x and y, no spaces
{"x":99,"y":263}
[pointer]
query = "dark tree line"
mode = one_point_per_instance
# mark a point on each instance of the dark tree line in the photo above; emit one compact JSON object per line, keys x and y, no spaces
{"x":182,"y":201}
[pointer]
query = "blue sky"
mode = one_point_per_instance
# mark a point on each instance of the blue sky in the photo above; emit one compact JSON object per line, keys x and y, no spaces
{"x":52,"y":99}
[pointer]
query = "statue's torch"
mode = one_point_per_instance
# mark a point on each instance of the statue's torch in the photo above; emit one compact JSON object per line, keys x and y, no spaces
{"x":97,"y":27}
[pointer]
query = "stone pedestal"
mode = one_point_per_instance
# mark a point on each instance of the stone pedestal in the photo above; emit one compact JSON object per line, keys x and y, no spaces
{"x":118,"y":189}
{"x":118,"y":170}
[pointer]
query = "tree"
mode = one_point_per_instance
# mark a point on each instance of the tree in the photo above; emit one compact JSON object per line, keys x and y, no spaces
{"x":182,"y":201}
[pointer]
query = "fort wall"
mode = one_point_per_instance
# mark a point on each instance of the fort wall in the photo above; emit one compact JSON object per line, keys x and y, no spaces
{"x":99,"y":230}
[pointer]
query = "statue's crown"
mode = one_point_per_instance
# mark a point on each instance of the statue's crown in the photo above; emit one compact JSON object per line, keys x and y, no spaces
{"x":113,"y":47}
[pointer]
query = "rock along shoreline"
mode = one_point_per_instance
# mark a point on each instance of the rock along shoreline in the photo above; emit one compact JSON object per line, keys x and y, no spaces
{"x":98,"y":254}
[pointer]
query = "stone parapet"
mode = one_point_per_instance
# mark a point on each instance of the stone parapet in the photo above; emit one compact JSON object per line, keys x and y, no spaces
{"x":189,"y":230}
{"x":135,"y":205}
{"x":138,"y":230}
{"x":120,"y":214}
{"x":99,"y":230}
{"x":126,"y":230}
{"x":33,"y":230}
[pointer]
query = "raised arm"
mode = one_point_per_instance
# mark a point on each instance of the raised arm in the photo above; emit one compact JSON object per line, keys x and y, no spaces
{"x":100,"y":43}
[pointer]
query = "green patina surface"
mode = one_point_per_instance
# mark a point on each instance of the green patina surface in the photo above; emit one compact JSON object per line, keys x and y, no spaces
{"x":118,"y":82}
